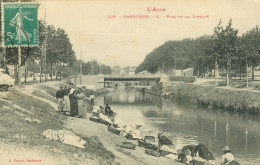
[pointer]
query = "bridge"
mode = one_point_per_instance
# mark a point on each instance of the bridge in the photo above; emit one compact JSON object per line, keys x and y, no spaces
{"x":132,"y":78}
{"x":142,"y":80}
{"x":99,"y":81}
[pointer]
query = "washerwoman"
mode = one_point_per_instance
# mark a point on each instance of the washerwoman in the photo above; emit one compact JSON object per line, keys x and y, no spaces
{"x":73,"y":103}
{"x":81,"y":106}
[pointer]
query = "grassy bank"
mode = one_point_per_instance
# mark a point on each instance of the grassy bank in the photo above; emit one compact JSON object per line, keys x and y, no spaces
{"x":23,"y":119}
{"x":215,"y":97}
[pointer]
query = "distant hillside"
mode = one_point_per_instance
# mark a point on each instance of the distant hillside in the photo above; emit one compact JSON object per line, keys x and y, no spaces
{"x":188,"y":53}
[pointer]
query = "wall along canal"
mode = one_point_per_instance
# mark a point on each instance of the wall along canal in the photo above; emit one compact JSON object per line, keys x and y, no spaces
{"x":186,"y":124}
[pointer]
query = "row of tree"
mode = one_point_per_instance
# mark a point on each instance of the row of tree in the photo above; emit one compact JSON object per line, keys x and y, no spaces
{"x":90,"y":68}
{"x":54,"y":48}
{"x":53,"y":55}
{"x":59,"y":58}
{"x":223,"y":50}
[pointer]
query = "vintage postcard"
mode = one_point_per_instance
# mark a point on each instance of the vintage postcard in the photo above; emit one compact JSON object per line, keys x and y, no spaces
{"x":129,"y":82}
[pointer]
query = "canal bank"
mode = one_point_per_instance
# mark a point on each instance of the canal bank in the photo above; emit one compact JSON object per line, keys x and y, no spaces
{"x":230,"y":99}
{"x":185,"y":124}
{"x":112,"y":141}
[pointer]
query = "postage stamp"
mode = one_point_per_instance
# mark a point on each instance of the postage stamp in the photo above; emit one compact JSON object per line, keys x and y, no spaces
{"x":20,"y":24}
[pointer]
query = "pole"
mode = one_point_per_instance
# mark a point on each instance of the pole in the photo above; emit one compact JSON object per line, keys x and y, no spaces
{"x":227,"y":75}
{"x":163,"y":67}
{"x":4,"y":54}
{"x":41,"y":70}
{"x":45,"y":62}
{"x":81,"y":67}
{"x":60,"y":70}
{"x":230,"y":70}
{"x":246,"y":74}
{"x":175,"y":62}
{"x":215,"y":129}
{"x":216,"y":68}
{"x":19,"y":65}
{"x":25,"y":71}
{"x":81,"y":61}
{"x":43,"y":55}
{"x":4,"y":48}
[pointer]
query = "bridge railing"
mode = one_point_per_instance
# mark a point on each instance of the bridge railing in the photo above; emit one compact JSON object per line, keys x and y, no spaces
{"x":132,"y":76}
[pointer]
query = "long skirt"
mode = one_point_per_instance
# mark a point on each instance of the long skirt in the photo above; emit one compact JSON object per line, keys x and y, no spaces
{"x":60,"y":104}
{"x":67,"y":104}
{"x":74,"y":109}
{"x":81,"y":107}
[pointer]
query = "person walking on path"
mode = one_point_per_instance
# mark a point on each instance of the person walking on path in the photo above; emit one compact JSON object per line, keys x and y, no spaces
{"x":73,"y":103}
{"x":228,"y":158}
{"x":66,"y":99}
{"x":60,"y":97}
{"x":81,"y":106}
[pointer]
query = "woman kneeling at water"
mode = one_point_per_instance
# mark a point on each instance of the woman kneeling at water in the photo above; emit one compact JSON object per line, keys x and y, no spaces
{"x":202,"y":151}
{"x":228,"y":158}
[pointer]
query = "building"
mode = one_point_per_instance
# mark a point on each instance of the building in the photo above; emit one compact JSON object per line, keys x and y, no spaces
{"x":128,"y":70}
{"x":116,"y":70}
{"x":145,"y":72}
{"x":186,"y":72}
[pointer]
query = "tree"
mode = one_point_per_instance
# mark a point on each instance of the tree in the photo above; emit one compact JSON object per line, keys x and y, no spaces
{"x":251,"y":42}
{"x":224,"y":46}
{"x":90,"y":68}
{"x":58,"y":47}
{"x":212,"y":47}
{"x":51,"y":50}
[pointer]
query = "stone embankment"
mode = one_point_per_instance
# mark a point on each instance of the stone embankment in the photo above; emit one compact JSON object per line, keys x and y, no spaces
{"x":230,"y":99}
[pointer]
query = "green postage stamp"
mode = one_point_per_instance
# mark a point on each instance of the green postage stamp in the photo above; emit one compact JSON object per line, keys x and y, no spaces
{"x":20,"y":24}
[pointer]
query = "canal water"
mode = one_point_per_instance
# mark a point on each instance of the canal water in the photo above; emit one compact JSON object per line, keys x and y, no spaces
{"x":186,"y":124}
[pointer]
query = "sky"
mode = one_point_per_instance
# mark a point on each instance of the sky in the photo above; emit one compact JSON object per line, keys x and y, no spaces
{"x":126,"y":41}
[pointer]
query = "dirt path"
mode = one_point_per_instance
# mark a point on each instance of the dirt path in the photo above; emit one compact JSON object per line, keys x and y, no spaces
{"x":123,"y":156}
{"x":210,"y":82}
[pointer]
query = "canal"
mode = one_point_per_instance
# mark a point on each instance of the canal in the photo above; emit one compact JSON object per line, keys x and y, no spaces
{"x":186,"y":124}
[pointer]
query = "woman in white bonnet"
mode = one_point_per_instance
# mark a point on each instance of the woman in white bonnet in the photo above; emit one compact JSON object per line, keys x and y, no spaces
{"x":72,"y":90}
{"x":228,"y":158}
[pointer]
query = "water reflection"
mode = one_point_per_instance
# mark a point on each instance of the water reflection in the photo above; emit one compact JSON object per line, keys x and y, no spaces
{"x":246,"y":140}
{"x":188,"y":124}
{"x":215,"y":129}
{"x":132,"y":97}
